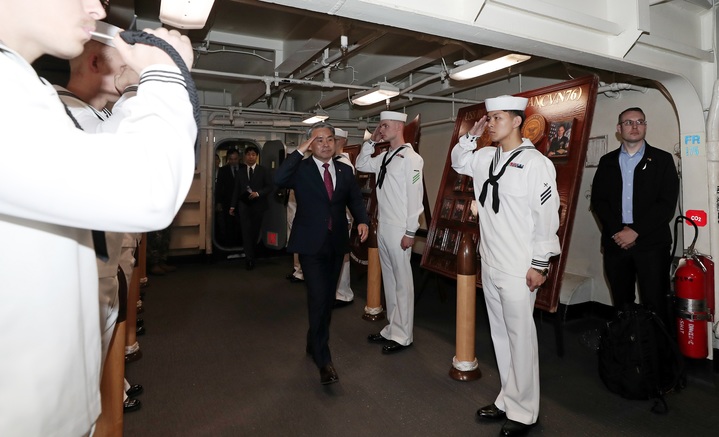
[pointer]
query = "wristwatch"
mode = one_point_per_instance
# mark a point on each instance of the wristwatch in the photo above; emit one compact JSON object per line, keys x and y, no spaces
{"x":542,"y":272}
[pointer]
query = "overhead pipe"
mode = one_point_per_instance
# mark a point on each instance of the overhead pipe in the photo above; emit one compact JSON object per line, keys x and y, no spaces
{"x":323,"y":84}
{"x":613,"y":90}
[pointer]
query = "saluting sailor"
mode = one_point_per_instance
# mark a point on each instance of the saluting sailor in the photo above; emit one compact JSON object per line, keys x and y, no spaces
{"x":518,"y":208}
{"x":399,"y":200}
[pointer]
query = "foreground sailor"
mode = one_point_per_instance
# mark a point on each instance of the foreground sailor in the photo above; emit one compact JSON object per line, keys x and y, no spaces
{"x":518,"y":215}
{"x":399,"y":200}
{"x":49,"y":318}
{"x":98,"y":77}
{"x":324,"y":188}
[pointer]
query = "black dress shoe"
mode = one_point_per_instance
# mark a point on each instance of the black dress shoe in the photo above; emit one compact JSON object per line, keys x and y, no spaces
{"x":134,"y":390}
{"x":292,"y":278}
{"x":513,"y":429}
{"x":490,"y":412}
{"x":133,"y":356}
{"x":140,"y":330}
{"x":393,"y":347}
{"x":328,"y":375}
{"x":140,"y":322}
{"x":377,"y":338}
{"x":342,"y":303}
{"x":131,"y":405}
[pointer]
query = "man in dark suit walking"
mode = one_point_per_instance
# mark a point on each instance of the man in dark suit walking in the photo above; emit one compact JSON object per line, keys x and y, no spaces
{"x":323,"y":188}
{"x":634,"y":195}
{"x":253,"y":186}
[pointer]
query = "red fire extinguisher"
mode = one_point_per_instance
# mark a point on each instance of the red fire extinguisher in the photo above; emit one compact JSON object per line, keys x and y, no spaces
{"x":694,"y":298}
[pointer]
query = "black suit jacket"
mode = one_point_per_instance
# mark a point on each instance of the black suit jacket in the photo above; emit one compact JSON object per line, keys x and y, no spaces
{"x":656,"y":189}
{"x":261,"y":182}
{"x":314,"y":207}
{"x":225,"y":186}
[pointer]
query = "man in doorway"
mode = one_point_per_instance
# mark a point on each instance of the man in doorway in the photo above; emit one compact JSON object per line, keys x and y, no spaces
{"x":324,"y":189}
{"x":252,"y":187}
{"x":518,"y":215}
{"x":399,"y":198}
{"x":634,"y":195}
{"x":228,"y":234}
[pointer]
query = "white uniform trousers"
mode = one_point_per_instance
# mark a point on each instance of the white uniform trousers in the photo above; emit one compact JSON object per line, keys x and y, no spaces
{"x":510,"y":305}
{"x":127,"y":262}
{"x":109,"y":308}
{"x":291,"y":210}
{"x":344,"y":291}
{"x":398,"y":284}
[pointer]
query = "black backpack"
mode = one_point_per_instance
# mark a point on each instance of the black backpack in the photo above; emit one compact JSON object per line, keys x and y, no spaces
{"x":638,"y":359}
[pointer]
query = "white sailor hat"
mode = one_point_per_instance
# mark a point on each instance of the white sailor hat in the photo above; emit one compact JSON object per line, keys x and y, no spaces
{"x":340,"y":133}
{"x":506,"y":103}
{"x":103,"y":28}
{"x":392,"y":115}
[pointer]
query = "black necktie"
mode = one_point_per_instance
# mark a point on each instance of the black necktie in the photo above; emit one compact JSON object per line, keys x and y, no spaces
{"x":252,"y":172}
{"x":492,"y":180}
{"x":234,"y":171}
{"x":327,"y":178}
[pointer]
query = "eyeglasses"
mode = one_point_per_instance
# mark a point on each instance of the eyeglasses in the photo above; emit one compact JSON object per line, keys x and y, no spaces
{"x":629,"y":123}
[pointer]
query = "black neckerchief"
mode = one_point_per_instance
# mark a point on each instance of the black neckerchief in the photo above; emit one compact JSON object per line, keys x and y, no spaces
{"x":385,"y":162}
{"x":493,"y":179}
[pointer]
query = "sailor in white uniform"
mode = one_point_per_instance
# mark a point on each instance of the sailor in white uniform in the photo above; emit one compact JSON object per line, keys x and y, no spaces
{"x":92,"y":86}
{"x":399,"y":200}
{"x":344,"y":295}
{"x":518,"y":215}
{"x":49,"y":318}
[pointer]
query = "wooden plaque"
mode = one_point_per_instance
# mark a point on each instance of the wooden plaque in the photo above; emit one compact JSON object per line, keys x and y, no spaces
{"x":566,"y":108}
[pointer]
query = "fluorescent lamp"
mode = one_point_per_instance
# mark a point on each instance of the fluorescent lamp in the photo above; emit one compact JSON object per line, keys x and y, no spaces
{"x":316,"y":117}
{"x":381,"y":91}
{"x":481,"y":66}
{"x":185,"y":14}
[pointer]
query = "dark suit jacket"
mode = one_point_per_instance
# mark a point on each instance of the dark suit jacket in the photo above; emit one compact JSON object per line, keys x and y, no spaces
{"x":656,"y":189}
{"x":225,"y":186}
{"x":314,"y":207}
{"x":261,"y":182}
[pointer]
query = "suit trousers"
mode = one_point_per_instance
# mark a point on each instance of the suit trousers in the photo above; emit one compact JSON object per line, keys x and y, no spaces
{"x":250,"y":222}
{"x":510,"y":306}
{"x":398,"y":284}
{"x":647,"y":268}
{"x":321,"y":271}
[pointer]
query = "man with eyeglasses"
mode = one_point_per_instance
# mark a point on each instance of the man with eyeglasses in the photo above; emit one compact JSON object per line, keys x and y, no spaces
{"x":634,"y":195}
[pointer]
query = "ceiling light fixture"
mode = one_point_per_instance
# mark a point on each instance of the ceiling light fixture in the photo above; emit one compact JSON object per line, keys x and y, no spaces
{"x":185,"y":14}
{"x":381,"y":91}
{"x":316,"y":117}
{"x":481,"y":67}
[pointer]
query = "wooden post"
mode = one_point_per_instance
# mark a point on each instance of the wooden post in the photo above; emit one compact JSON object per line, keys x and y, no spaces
{"x":110,"y":424}
{"x":464,"y":364}
{"x":373,"y":311}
